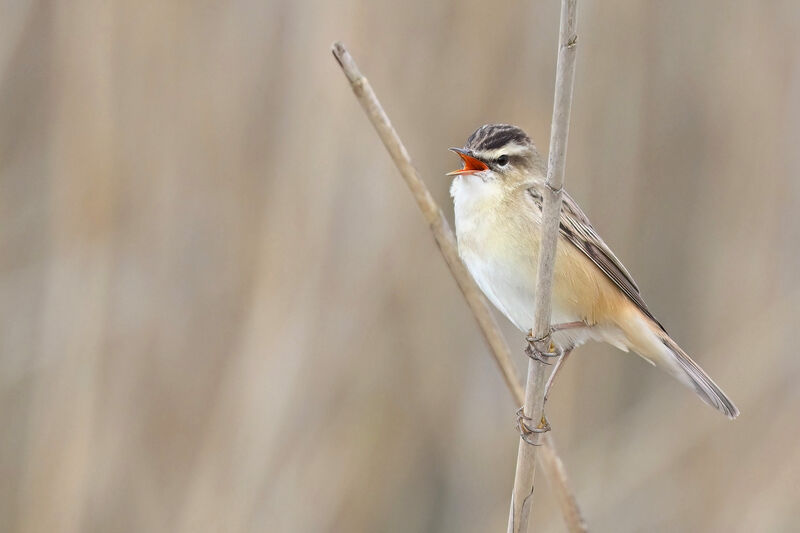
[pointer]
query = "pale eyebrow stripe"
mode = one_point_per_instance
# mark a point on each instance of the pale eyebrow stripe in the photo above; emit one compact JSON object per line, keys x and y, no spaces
{"x":509,"y":150}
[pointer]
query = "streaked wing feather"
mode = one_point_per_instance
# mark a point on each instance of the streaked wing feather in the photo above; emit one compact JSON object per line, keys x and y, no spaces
{"x":577,"y":229}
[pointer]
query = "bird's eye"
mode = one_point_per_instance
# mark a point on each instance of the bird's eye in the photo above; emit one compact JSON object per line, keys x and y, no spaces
{"x":502,"y":160}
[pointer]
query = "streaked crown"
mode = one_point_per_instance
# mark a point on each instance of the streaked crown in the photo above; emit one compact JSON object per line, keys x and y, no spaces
{"x":490,"y":137}
{"x":504,"y":142}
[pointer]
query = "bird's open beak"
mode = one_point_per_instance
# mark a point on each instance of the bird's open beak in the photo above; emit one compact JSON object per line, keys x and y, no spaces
{"x":471,"y":165}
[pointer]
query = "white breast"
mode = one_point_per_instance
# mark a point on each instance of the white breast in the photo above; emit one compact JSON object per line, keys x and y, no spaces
{"x":503,"y":261}
{"x":504,"y":270}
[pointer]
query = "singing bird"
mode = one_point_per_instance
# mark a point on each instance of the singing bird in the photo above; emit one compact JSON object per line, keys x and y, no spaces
{"x":497,"y":199}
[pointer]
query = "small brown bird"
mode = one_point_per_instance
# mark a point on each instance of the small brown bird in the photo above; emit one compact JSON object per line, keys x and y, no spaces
{"x":498,"y":210}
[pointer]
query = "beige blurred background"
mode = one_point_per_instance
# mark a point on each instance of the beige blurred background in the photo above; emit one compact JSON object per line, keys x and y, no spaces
{"x":221,"y":311}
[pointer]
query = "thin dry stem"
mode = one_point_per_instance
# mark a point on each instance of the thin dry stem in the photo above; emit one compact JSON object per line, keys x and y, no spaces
{"x":477,"y":302}
{"x":522,"y":495}
{"x":433,"y":215}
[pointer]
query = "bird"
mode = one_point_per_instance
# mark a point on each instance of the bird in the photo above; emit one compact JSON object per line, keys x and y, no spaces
{"x":497,"y":202}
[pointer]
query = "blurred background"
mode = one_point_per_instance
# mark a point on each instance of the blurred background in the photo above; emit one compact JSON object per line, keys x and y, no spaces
{"x":220,"y":309}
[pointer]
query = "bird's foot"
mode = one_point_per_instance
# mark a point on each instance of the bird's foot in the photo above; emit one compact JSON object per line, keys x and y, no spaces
{"x":541,"y":348}
{"x":528,"y":433}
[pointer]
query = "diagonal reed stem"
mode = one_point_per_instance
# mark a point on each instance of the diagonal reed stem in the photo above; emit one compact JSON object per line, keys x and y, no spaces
{"x":477,"y":302}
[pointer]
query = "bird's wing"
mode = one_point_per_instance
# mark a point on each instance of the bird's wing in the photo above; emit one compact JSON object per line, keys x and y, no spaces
{"x":577,"y":229}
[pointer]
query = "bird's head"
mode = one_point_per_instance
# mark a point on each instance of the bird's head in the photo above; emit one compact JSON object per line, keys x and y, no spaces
{"x":499,"y":155}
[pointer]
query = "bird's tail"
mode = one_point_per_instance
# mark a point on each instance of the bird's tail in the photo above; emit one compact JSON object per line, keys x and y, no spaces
{"x":654,"y":344}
